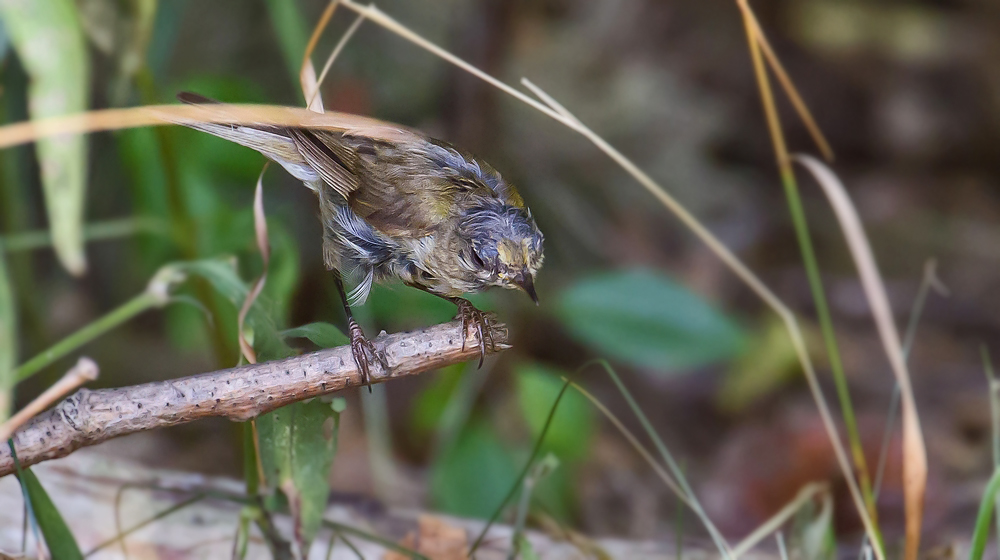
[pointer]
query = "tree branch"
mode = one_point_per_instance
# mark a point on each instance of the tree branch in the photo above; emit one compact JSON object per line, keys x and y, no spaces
{"x":90,"y":417}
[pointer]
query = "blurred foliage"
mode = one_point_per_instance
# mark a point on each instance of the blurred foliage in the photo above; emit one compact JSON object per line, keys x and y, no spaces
{"x":473,"y":476}
{"x":574,"y":425}
{"x":430,"y":403}
{"x":121,"y":31}
{"x":49,"y":41}
{"x":767,"y":363}
{"x":646,"y":319}
{"x":8,"y":338}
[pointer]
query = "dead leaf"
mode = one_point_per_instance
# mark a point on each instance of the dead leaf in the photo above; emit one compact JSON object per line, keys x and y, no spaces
{"x":434,"y":539}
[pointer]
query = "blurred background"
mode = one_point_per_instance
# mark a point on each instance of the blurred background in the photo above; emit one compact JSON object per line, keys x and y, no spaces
{"x":908,"y":93}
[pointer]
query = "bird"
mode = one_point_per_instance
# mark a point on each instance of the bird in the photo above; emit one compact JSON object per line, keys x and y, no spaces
{"x":395,"y":203}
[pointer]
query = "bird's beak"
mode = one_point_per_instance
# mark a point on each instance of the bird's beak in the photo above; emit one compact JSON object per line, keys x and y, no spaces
{"x":528,"y":285}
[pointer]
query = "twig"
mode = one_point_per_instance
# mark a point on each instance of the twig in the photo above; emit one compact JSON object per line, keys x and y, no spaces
{"x":85,"y":370}
{"x":90,"y":417}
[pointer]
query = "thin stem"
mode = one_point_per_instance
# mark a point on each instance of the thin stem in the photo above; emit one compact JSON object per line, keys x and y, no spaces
{"x":994,"y":386}
{"x":524,"y":471}
{"x":812,"y":269}
{"x":120,"y":536}
{"x":807,"y":493}
{"x":85,"y":370}
{"x":97,"y":231}
{"x":123,"y":313}
{"x":982,"y":530}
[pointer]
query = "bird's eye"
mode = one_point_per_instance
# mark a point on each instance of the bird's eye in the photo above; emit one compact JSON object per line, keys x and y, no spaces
{"x":475,"y":258}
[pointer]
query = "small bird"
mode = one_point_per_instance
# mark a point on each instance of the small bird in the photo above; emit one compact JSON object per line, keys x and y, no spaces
{"x":395,"y":203}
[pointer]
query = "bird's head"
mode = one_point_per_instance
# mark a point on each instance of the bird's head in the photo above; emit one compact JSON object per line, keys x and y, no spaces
{"x":505,"y":247}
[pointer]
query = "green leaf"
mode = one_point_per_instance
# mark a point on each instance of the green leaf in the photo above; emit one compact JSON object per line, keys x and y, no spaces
{"x":57,"y":535}
{"x":431,"y":402}
{"x":290,"y":25}
{"x":49,"y":41}
{"x":473,"y":475}
{"x":221,"y":274}
{"x":8,"y":339}
{"x":769,"y":361}
{"x":646,"y":319}
{"x":283,"y":272}
{"x":572,"y":428}
{"x":297,"y":446}
{"x":321,"y":334}
{"x":527,"y":552}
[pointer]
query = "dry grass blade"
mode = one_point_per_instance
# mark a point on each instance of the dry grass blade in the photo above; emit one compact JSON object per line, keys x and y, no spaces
{"x":157,"y":115}
{"x":85,"y":370}
{"x":786,"y":82}
{"x":336,"y":52}
{"x":260,"y":229}
{"x":634,"y":442}
{"x":808,"y":492}
{"x":324,"y":20}
{"x":914,"y":452}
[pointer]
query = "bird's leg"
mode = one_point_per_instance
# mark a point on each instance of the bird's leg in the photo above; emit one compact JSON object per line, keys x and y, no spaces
{"x":482,"y":321}
{"x":364,"y":350}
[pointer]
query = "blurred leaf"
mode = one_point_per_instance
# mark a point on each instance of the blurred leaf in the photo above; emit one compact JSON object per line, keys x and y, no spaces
{"x":8,"y":339}
{"x":768,"y":363}
{"x":298,"y":443}
{"x":121,"y":30}
{"x":473,"y":475}
{"x":527,"y":552}
{"x":283,"y":271}
{"x":222,"y":276}
{"x":49,"y":41}
{"x":815,"y":531}
{"x":572,"y":428}
{"x":58,"y":537}
{"x":645,"y":318}
{"x":431,"y":402}
{"x":292,"y":32}
{"x":323,"y":335}
{"x":385,"y":303}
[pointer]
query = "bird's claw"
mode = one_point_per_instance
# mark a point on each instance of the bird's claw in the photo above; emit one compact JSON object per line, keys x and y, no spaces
{"x":484,"y":323}
{"x":365,"y":352}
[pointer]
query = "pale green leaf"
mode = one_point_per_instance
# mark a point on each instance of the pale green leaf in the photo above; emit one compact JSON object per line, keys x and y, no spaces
{"x":473,"y":475}
{"x":297,"y":446}
{"x":50,"y":44}
{"x":323,"y":335}
{"x":573,"y":425}
{"x":644,"y":318}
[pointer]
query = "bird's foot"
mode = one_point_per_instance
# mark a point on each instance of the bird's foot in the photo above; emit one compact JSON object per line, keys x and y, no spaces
{"x":365,"y":353}
{"x":482,"y":322}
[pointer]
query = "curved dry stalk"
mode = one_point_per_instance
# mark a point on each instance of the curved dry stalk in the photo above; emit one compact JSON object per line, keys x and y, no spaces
{"x":260,"y":231}
{"x":914,"y":451}
{"x":335,"y":53}
{"x":158,"y":115}
{"x":786,"y":82}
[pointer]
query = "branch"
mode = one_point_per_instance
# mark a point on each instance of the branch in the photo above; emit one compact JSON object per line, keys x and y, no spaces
{"x":90,"y":417}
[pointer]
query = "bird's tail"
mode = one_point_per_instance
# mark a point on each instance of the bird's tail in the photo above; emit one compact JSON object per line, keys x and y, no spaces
{"x":273,"y":142}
